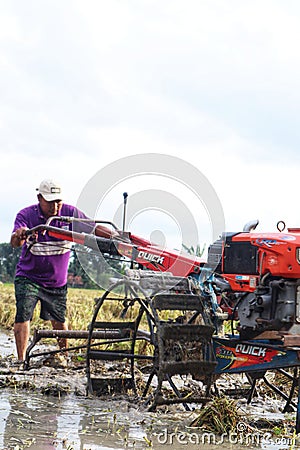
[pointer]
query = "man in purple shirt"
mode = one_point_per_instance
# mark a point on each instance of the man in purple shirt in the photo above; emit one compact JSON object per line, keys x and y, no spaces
{"x":41,"y":273}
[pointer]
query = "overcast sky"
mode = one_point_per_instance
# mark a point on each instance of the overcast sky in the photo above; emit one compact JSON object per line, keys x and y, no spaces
{"x":214,"y":82}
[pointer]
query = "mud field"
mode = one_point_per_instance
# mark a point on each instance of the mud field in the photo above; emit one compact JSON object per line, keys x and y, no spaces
{"x":47,"y":407}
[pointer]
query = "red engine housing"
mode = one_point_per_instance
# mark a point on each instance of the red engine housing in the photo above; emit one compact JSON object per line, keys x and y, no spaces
{"x":247,"y":256}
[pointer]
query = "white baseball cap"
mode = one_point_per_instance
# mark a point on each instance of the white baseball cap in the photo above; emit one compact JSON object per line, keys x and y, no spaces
{"x":50,"y":190}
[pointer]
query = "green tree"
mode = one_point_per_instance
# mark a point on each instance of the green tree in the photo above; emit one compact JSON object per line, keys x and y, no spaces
{"x":197,"y":251}
{"x":9,"y":258}
{"x":76,"y":267}
{"x":91,"y":267}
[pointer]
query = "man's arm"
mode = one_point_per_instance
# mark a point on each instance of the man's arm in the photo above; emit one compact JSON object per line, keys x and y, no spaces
{"x":105,"y":232}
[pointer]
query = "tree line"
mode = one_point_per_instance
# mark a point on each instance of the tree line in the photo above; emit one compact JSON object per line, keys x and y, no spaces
{"x":81,"y":262}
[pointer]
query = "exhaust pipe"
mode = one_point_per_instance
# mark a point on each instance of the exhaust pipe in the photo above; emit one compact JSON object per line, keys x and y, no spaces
{"x":250,"y":226}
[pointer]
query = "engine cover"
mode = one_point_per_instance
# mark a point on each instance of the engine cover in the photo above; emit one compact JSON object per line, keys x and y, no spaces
{"x":275,"y":306}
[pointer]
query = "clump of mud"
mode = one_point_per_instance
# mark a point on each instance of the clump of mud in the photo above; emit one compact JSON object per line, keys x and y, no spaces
{"x":54,"y":375}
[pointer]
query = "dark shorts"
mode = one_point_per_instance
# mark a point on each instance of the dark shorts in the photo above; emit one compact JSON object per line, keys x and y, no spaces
{"x":53,"y":301}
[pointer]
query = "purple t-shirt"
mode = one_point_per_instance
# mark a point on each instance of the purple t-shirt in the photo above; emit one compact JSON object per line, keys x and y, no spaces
{"x":46,"y":263}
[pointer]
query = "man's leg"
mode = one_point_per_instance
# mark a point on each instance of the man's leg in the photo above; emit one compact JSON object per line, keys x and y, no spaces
{"x":26,"y":293}
{"x":62,"y":342}
{"x":21,"y":330}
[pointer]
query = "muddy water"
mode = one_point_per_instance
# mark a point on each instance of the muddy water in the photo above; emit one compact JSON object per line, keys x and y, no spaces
{"x":29,"y":419}
{"x":39,"y":423}
{"x":7,"y":344}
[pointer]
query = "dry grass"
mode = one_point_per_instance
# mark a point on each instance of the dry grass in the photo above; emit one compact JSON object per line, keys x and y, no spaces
{"x":219,"y":416}
{"x":7,"y":305}
{"x":79,"y":311}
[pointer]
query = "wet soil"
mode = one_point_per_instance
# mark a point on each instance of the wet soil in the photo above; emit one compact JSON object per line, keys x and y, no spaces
{"x":47,"y":407}
{"x":40,"y":422}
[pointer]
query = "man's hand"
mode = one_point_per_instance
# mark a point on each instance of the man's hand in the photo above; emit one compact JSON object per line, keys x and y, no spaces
{"x":18,"y":237}
{"x":105,"y":232}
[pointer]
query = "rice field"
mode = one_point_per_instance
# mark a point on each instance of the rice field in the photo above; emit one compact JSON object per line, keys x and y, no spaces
{"x":80,"y":308}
